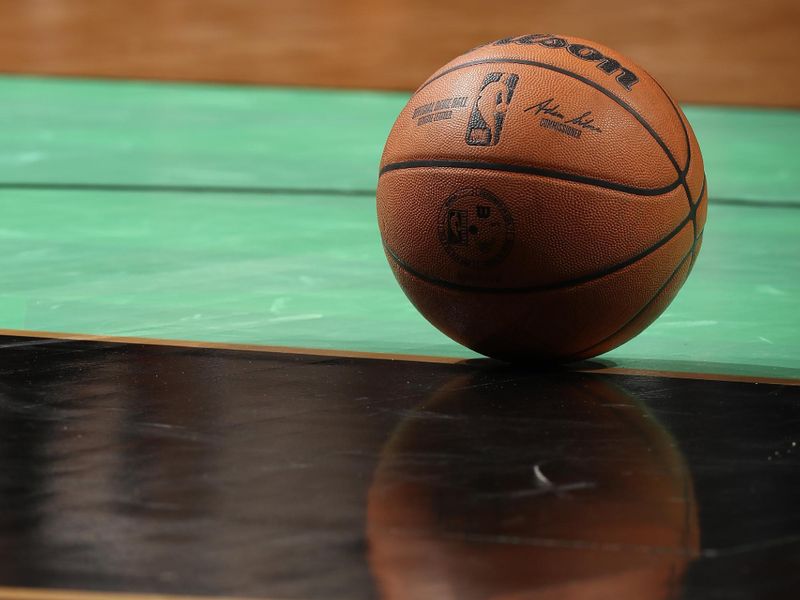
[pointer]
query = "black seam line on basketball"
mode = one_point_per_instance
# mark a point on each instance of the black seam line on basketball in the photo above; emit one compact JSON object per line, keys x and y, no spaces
{"x":553,"y":286}
{"x":627,"y":107}
{"x":180,"y":189}
{"x":702,"y":192}
{"x":695,"y":249}
{"x":696,"y":207}
{"x":647,"y":305}
{"x":528,"y":170}
{"x":683,"y":125}
{"x":12,"y":185}
{"x":695,"y":252}
{"x":685,"y":171}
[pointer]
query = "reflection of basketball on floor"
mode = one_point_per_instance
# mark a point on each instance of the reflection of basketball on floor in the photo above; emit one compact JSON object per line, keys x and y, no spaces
{"x":558,"y":487}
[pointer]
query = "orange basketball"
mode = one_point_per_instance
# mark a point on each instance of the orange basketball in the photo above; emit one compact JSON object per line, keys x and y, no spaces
{"x":541,"y":197}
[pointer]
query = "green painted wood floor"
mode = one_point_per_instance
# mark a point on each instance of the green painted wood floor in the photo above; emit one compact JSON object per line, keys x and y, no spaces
{"x":246,"y":215}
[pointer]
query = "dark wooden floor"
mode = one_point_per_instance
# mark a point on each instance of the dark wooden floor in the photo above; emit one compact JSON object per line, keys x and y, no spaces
{"x":709,"y":51}
{"x":157,"y":469}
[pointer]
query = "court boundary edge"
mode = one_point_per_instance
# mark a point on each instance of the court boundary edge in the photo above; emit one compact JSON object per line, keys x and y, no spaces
{"x":23,"y":593}
{"x":335,"y":353}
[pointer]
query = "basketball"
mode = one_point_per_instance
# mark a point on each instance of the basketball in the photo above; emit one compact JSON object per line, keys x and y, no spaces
{"x":541,"y":197}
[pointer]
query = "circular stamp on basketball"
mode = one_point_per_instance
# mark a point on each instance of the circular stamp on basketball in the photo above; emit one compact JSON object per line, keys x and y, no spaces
{"x":476,"y":228}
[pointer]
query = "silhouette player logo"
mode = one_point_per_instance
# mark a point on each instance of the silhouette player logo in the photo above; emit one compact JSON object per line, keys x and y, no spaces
{"x":489,"y":109}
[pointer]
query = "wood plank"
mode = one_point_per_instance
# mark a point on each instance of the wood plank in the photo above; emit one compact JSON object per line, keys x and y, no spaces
{"x":701,"y":50}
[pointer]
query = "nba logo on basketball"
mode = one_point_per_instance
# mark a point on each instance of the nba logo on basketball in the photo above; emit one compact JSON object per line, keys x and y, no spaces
{"x":489,"y":109}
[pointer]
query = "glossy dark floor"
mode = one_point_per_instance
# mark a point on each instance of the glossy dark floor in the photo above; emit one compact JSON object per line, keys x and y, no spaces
{"x":178,"y":470}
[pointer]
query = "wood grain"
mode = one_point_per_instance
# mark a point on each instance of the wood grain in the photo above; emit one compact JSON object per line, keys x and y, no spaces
{"x":708,"y":51}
